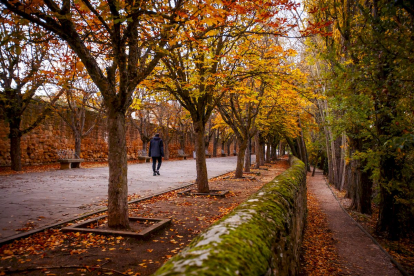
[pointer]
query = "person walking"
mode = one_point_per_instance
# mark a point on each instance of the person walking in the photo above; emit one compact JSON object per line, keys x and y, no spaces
{"x":156,"y":152}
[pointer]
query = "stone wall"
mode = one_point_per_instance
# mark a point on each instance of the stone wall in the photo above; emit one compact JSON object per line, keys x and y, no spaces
{"x":41,"y":144}
{"x":262,"y":236}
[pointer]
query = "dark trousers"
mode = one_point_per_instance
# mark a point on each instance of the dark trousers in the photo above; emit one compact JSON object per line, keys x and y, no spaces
{"x":154,"y":161}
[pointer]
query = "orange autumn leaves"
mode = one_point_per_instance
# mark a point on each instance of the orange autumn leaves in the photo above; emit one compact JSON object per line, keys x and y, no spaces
{"x":319,"y":251}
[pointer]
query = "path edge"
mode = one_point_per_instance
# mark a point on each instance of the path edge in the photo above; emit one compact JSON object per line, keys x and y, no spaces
{"x":395,"y":262}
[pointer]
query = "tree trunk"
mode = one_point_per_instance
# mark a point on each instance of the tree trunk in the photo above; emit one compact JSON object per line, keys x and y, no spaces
{"x":322,"y":163}
{"x":181,"y":139}
{"x":258,"y":151}
{"x":228,"y":147}
{"x":145,"y":142}
{"x":215,"y":143}
{"x":240,"y":158}
{"x":299,"y":149}
{"x":118,"y":167}
{"x":166,"y":149}
{"x":316,"y":162}
{"x":392,"y":216}
{"x":268,"y":153}
{"x":78,"y":144}
{"x":292,"y":147}
{"x":248,"y":157}
{"x":201,"y":167}
{"x":337,"y":157}
{"x":15,"y":150}
{"x":262,"y":150}
{"x":273,"y":151}
{"x":303,"y":146}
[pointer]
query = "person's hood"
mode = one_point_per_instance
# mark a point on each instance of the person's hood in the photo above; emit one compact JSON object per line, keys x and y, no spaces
{"x":157,"y":138}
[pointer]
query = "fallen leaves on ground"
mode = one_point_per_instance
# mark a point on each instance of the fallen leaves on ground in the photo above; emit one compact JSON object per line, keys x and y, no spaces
{"x":319,"y":256}
{"x":90,"y":254}
{"x":402,"y":250}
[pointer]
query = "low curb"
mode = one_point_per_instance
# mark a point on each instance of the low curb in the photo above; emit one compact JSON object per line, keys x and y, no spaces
{"x":10,"y":239}
{"x":397,"y":264}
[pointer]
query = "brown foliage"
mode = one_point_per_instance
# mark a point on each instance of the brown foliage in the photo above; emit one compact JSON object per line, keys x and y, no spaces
{"x":53,"y":252}
{"x":319,"y":256}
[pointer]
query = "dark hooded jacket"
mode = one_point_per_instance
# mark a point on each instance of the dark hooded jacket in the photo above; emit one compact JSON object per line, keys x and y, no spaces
{"x":156,"y":148}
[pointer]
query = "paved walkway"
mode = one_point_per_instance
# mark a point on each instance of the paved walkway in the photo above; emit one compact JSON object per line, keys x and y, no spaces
{"x":356,"y":250}
{"x":50,"y":197}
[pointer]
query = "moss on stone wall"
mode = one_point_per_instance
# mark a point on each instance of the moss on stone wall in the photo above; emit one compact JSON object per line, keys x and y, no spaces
{"x":262,"y":236}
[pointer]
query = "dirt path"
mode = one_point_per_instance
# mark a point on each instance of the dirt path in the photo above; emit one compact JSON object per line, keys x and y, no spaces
{"x":359,"y":254}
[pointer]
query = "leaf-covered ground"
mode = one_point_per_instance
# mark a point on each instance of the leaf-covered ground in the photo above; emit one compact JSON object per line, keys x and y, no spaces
{"x":56,"y":253}
{"x":319,"y":256}
{"x":402,"y":250}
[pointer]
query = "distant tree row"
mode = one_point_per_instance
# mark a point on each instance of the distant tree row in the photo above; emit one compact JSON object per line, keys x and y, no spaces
{"x":365,"y":72}
{"x":212,"y":57}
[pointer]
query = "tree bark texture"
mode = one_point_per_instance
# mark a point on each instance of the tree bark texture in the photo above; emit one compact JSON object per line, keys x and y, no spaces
{"x":303,"y":146}
{"x":215,"y":142}
{"x":258,"y":151}
{"x":118,"y":167}
{"x":201,"y":166}
{"x":78,"y":144}
{"x":166,"y":149}
{"x":262,"y":152}
{"x":248,"y":156}
{"x":15,"y":150}
{"x":240,"y":158}
{"x":268,"y":147}
{"x":359,"y":182}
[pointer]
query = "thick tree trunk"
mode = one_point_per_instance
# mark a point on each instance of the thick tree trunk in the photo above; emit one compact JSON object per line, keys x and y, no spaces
{"x":393,"y":215}
{"x":201,"y":167}
{"x":240,"y":158}
{"x":15,"y":150}
{"x":262,"y":150}
{"x":360,"y":185}
{"x":118,"y":167}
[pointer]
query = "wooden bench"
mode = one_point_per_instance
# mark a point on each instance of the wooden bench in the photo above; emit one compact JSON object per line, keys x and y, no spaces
{"x":208,"y":155}
{"x":223,"y":154}
{"x":181,"y":154}
{"x":70,"y":163}
{"x":143,"y":157}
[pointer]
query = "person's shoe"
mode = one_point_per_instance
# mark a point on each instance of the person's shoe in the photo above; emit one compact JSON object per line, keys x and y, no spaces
{"x":158,"y":172}
{"x":155,"y":174}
